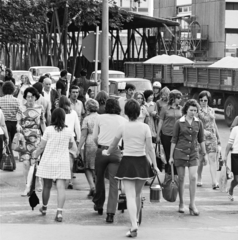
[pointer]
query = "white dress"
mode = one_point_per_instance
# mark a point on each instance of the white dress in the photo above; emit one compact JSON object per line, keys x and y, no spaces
{"x":55,"y":162}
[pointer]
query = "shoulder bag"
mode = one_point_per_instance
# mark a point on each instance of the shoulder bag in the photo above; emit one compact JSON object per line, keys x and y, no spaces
{"x":7,"y":160}
{"x":19,"y":143}
{"x":170,"y":186}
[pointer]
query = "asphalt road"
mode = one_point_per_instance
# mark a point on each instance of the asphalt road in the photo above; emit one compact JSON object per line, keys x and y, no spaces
{"x":218,"y":216}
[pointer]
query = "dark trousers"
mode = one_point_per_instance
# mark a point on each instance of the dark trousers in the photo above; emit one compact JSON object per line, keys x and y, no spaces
{"x":101,"y":164}
{"x":166,"y":143}
{"x":12,"y":129}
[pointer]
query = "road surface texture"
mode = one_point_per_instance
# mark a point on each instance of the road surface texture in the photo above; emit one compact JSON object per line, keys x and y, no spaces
{"x":218,"y":218}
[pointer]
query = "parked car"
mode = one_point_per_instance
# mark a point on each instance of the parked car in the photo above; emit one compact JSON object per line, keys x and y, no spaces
{"x":117,"y":85}
{"x":111,"y":74}
{"x":38,"y":71}
{"x":18,"y":73}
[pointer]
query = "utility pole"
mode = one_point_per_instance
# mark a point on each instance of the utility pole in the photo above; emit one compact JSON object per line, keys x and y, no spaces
{"x":105,"y":46}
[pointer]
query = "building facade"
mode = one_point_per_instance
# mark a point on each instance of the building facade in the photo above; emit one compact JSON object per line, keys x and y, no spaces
{"x":208,"y":28}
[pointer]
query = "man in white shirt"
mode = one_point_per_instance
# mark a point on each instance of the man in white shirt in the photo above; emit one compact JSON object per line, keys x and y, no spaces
{"x":130,"y":89}
{"x":50,"y":94}
{"x":76,"y":104}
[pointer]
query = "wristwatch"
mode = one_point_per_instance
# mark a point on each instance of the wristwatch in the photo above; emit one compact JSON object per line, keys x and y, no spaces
{"x":203,"y":154}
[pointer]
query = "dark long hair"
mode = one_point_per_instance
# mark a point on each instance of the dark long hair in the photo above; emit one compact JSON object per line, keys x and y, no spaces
{"x":64,"y":103}
{"x":58,"y":119}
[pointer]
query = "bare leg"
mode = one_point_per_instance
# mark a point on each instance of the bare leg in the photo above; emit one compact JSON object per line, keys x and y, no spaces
{"x":139,"y":186}
{"x":46,"y":191}
{"x":181,"y":176}
{"x":130,"y":190}
{"x":60,"y":185}
{"x":200,"y":169}
{"x":192,"y":186}
{"x":234,"y":183}
{"x":89,"y":175}
{"x":26,"y":167}
{"x":213,"y":167}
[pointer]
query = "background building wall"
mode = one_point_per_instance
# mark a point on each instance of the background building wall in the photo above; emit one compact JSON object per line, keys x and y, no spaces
{"x":206,"y":12}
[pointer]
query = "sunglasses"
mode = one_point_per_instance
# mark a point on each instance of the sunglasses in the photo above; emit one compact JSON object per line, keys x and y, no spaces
{"x":203,"y":100}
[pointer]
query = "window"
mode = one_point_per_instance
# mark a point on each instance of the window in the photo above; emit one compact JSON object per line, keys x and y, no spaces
{"x":231,"y":6}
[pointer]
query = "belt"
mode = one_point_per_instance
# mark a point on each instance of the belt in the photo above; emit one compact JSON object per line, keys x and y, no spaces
{"x":102,"y":146}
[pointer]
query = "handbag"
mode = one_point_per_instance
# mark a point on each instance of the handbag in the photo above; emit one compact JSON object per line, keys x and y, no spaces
{"x":170,"y":186}
{"x":19,"y":143}
{"x":121,"y":200}
{"x":223,"y":179}
{"x":155,"y":191}
{"x":7,"y":160}
{"x":78,"y":166}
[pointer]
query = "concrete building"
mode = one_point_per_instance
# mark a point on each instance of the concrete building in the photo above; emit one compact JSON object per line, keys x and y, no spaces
{"x":209,"y":28}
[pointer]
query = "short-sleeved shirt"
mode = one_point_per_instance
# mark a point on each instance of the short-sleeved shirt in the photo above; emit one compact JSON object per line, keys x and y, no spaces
{"x":170,"y":115}
{"x":62,"y":84}
{"x":160,"y":104}
{"x":10,"y":106}
{"x":186,"y":138}
{"x":78,"y":108}
{"x":134,"y":134}
{"x":105,"y":128}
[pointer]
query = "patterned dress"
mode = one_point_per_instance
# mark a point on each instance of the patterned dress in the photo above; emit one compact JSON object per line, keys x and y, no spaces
{"x":30,"y":119}
{"x":209,"y":125}
{"x":55,"y":162}
{"x":90,"y":148}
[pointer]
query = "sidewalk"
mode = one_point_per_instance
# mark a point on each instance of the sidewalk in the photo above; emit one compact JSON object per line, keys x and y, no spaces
{"x":218,"y":216}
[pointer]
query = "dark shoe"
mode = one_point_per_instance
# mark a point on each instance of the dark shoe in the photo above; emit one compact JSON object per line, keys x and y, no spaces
{"x":132,"y":233}
{"x":59,"y":217}
{"x":43,"y":210}
{"x":147,"y":183}
{"x":215,"y":186}
{"x":70,"y":186}
{"x":193,"y":212}
{"x":99,"y":210}
{"x":110,"y":217}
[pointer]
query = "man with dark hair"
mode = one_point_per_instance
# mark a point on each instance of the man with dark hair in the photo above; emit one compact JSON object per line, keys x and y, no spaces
{"x":130,"y":89}
{"x":76,"y":105}
{"x":83,"y":82}
{"x":62,"y":84}
{"x":43,"y":101}
{"x":10,"y":106}
{"x":8,"y":76}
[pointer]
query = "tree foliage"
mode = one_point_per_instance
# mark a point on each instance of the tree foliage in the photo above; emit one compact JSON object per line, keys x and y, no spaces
{"x":22,"y":20}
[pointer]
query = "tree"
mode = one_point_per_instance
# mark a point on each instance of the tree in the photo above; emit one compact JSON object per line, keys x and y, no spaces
{"x":24,"y":21}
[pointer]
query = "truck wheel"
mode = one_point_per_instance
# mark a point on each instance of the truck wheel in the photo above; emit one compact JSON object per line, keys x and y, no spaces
{"x":230,"y":110}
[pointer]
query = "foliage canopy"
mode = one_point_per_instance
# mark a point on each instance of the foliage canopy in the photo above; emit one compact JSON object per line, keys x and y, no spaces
{"x":22,"y":20}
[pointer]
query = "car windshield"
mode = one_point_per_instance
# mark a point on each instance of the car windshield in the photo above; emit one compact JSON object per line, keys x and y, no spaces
{"x":141,"y":86}
{"x":17,"y":76}
{"x":118,"y":75}
{"x":47,"y":70}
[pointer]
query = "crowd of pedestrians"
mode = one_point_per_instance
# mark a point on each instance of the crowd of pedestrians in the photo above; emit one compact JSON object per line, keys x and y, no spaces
{"x":116,"y":139}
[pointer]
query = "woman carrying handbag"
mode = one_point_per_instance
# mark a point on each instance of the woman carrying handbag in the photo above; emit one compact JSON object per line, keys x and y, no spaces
{"x":188,"y":132}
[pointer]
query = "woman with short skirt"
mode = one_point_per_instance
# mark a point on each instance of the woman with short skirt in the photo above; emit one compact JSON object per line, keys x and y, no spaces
{"x":188,"y":133}
{"x":55,"y":163}
{"x":134,"y":168}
